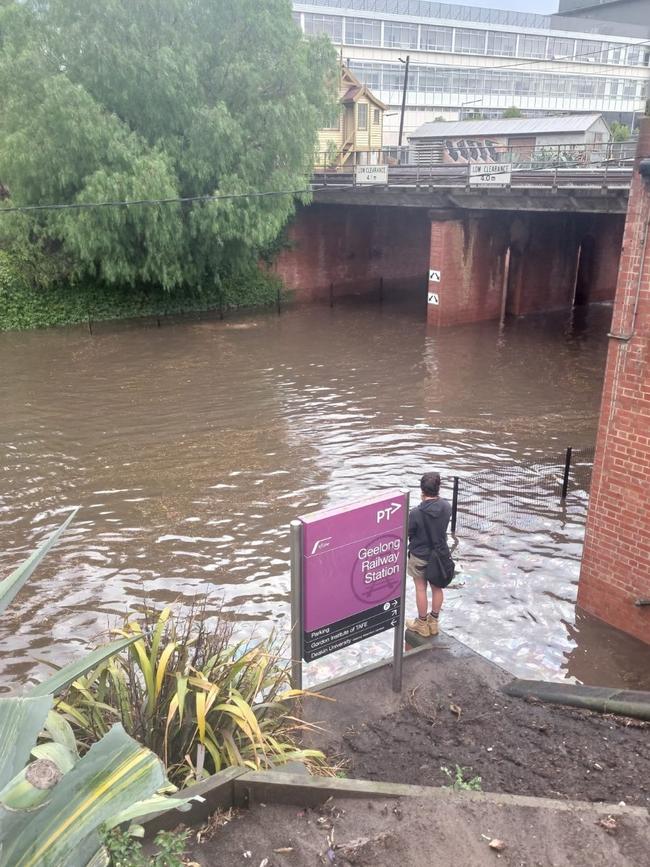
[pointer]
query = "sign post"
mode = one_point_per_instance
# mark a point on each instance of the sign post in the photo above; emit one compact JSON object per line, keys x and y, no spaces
{"x":296,"y":604}
{"x":348,"y":578}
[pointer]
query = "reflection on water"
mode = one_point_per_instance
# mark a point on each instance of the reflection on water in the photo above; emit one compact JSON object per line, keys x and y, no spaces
{"x":190,"y":448}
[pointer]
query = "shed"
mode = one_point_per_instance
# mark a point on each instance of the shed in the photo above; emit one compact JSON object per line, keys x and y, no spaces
{"x":569,"y":138}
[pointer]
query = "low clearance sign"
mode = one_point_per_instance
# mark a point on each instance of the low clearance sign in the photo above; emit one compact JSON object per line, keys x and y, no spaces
{"x":353,"y":571}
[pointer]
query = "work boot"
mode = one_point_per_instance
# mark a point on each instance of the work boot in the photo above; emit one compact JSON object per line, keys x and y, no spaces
{"x":419,"y":626}
{"x":432,"y":624}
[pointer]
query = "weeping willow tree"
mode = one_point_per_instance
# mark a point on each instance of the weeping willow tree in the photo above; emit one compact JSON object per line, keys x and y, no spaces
{"x":111,"y":100}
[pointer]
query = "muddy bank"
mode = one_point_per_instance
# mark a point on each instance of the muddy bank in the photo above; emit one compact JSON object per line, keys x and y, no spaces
{"x":453,"y":715}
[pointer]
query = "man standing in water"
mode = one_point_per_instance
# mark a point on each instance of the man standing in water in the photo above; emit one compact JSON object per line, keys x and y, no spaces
{"x":429,"y":559}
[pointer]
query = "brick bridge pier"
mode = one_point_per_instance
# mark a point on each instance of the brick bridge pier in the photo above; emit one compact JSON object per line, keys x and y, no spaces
{"x":615,"y":577}
{"x":493,"y":254}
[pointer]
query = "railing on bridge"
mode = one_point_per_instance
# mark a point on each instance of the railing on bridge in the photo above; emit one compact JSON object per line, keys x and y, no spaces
{"x":461,"y":154}
{"x":604,"y":166}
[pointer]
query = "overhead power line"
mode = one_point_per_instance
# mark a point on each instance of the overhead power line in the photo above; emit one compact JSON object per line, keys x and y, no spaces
{"x":80,"y":206}
{"x":528,"y":62}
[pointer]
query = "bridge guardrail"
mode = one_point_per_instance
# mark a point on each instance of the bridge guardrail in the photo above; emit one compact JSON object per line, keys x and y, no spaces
{"x":553,"y":177}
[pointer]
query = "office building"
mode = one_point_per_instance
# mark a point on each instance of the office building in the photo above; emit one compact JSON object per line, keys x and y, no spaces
{"x":467,"y":61}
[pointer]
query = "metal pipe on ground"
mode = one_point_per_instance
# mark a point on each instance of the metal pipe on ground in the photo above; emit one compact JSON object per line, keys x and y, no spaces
{"x":628,"y":703}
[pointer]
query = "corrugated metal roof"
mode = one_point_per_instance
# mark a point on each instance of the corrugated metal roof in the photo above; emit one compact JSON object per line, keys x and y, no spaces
{"x":507,"y":126}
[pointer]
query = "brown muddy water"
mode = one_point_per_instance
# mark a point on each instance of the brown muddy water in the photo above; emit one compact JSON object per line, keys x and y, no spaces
{"x":190,"y":447}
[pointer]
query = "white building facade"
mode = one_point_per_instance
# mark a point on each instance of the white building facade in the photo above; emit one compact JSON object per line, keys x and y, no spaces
{"x":468,"y":60}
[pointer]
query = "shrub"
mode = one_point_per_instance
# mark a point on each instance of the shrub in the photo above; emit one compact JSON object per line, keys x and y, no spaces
{"x":27,"y":304}
{"x":197,"y":699}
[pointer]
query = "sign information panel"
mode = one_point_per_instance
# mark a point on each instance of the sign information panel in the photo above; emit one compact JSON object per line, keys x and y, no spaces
{"x":490,"y":174}
{"x":371,"y":175}
{"x":353,"y":570}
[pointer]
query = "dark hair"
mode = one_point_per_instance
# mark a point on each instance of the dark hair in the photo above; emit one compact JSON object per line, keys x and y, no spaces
{"x":430,"y":484}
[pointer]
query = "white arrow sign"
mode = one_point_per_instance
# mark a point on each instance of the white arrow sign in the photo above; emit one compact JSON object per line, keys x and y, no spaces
{"x":434,"y":299}
{"x":434,"y":276}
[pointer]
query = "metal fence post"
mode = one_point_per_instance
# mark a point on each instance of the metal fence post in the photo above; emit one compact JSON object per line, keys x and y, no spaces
{"x":567,"y":472}
{"x":296,"y":604}
{"x":454,"y":506}
{"x":398,"y":647}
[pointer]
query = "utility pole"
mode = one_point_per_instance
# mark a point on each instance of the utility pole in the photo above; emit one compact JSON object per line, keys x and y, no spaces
{"x":406,"y":84}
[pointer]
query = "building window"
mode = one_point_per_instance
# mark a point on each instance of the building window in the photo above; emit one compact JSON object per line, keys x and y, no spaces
{"x":362,"y":31}
{"x":376,"y":117}
{"x":436,"y":38}
{"x":588,"y":52}
{"x":334,"y":119}
{"x":362,"y":116}
{"x":638,"y":55}
{"x":400,"y":35}
{"x":330,"y":25}
{"x":629,"y":89}
{"x":586,"y":87}
{"x":470,"y":41}
{"x":615,"y":53}
{"x":502,"y":44}
{"x":532,"y":46}
{"x":393,"y":78}
{"x":561,"y":48}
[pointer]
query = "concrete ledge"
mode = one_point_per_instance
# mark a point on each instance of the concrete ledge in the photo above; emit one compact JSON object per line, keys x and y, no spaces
{"x":631,"y":703}
{"x":271,"y":787}
{"x":238,"y":787}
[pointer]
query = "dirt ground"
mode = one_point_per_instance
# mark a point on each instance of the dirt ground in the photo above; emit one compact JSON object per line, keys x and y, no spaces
{"x":454,"y":831}
{"x":513,"y":745}
{"x":452,"y":713}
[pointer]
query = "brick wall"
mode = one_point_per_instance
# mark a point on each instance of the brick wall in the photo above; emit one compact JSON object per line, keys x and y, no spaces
{"x":354,"y":247}
{"x":471,"y":254}
{"x":545,"y":260}
{"x":616,"y":561}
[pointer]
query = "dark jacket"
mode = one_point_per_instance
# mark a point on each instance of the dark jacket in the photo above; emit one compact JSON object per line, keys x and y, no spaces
{"x":437,"y":514}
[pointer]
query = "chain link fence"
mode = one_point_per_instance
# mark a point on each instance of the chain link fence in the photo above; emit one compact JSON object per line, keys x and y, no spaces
{"x":521,"y":495}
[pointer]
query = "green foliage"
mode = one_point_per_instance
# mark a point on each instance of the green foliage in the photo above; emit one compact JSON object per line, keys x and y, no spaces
{"x":458,"y":782}
{"x":125,"y":851}
{"x":198,"y":700}
{"x":110,"y":100}
{"x":620,"y":131}
{"x":53,"y":808}
{"x":25,"y":305}
{"x":513,"y":111}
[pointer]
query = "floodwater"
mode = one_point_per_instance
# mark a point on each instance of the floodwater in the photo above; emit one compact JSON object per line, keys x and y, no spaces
{"x":190,"y":447}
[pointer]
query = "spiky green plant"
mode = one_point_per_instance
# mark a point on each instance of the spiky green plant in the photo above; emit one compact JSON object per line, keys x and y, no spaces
{"x":196,"y":698}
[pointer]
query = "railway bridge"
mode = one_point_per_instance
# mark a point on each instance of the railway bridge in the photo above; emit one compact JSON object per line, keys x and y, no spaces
{"x":549,"y":239}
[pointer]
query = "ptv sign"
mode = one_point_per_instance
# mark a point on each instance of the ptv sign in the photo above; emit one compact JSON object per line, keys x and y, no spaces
{"x":353,"y":566}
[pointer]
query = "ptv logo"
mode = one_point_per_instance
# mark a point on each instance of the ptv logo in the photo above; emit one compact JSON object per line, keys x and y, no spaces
{"x":387,"y":513}
{"x":321,"y":545}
